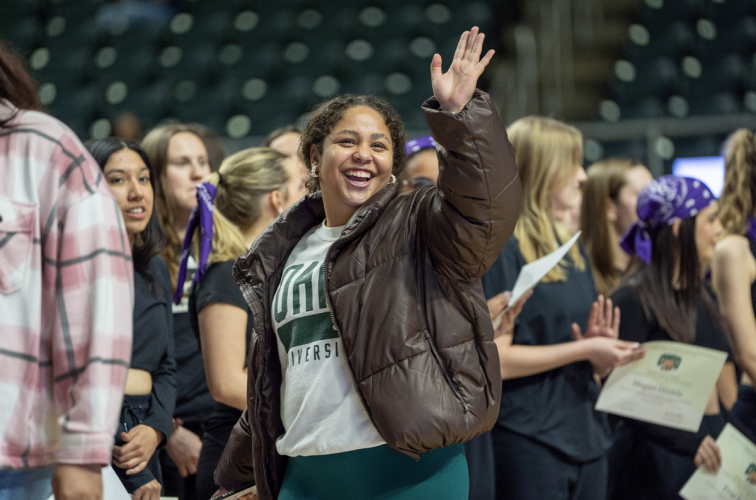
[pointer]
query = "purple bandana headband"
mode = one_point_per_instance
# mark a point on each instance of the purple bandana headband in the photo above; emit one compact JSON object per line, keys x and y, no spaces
{"x":661,"y":203}
{"x":752,"y":227}
{"x":202,"y":216}
{"x":419,"y":143}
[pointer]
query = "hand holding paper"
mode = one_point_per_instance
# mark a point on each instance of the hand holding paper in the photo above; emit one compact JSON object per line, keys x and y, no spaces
{"x":243,"y":493}
{"x":498,"y":306}
{"x":531,"y":274}
{"x":736,"y":478}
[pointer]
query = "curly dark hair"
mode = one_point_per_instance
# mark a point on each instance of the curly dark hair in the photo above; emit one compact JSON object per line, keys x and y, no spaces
{"x":326,"y":115}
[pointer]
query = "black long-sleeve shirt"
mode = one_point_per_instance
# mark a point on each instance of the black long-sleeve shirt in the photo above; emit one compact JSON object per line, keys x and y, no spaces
{"x":152,"y":346}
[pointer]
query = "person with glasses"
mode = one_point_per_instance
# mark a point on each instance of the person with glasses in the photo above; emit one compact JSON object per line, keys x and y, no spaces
{"x":422,"y":165}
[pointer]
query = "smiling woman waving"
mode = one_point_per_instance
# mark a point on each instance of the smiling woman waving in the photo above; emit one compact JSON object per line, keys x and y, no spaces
{"x":372,"y":357}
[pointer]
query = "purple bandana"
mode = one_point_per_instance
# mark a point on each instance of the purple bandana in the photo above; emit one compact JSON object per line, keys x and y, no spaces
{"x":752,"y":227}
{"x":661,"y":203}
{"x":202,"y":216}
{"x":419,"y":143}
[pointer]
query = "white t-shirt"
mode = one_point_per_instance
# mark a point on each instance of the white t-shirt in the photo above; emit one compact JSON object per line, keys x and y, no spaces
{"x":321,"y":411}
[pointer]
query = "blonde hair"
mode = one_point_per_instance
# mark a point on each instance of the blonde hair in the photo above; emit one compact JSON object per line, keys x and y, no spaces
{"x":605,"y":180}
{"x":247,"y":176}
{"x":736,"y":202}
{"x":155,"y":144}
{"x":548,"y":154}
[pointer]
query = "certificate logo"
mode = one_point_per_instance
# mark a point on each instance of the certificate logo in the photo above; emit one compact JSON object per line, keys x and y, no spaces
{"x":669,"y":362}
{"x":751,"y":474}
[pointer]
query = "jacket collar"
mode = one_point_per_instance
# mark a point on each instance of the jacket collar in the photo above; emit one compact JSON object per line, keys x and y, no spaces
{"x":271,"y":249}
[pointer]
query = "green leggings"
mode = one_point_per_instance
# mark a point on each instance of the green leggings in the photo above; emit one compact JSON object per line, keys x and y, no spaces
{"x":376,"y":474}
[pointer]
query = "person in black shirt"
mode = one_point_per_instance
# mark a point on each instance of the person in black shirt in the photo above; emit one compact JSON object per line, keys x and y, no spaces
{"x":548,"y":441}
{"x":734,"y":265}
{"x":610,"y":195}
{"x":663,"y":299}
{"x":150,"y":393}
{"x":180,"y":160}
{"x":250,"y":190}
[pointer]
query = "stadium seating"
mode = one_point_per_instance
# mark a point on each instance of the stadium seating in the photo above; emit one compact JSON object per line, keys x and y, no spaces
{"x":209,"y":61}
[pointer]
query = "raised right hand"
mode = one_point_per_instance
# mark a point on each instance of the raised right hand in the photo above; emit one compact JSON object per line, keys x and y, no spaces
{"x":77,"y":482}
{"x":454,"y":89}
{"x":708,"y":455}
{"x":184,"y":448}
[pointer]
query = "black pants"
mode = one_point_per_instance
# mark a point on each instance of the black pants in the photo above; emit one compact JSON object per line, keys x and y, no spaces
{"x":529,"y":470}
{"x":480,"y":467}
{"x":133,"y":410}
{"x":212,"y":449}
{"x":744,"y":409}
{"x":185,"y":488}
{"x":640,"y":468}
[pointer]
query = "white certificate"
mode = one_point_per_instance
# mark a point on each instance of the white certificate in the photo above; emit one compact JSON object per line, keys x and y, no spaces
{"x":670,"y":386}
{"x":532,"y":273}
{"x":735,"y":480}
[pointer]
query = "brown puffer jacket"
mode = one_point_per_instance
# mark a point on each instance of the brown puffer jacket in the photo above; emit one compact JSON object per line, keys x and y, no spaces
{"x":403,"y":286}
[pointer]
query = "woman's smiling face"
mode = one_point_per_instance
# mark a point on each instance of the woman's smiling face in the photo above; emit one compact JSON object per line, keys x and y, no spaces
{"x":355,"y":163}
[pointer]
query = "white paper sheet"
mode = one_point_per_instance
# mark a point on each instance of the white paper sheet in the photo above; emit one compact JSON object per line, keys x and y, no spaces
{"x":670,"y":386}
{"x":736,"y":479}
{"x":531,"y":274}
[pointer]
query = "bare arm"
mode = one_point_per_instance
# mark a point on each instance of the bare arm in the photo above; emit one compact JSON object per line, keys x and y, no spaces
{"x":600,"y":345}
{"x":727,"y":386}
{"x":523,"y":360}
{"x":223,"y":330}
{"x":733,"y":272}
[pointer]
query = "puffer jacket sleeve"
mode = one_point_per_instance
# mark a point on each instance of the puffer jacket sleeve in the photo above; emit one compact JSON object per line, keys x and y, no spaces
{"x":469,"y":218}
{"x":235,"y":468}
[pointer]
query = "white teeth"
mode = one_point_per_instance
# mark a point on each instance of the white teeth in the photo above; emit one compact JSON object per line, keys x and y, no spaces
{"x":359,"y":173}
{"x":135,"y":211}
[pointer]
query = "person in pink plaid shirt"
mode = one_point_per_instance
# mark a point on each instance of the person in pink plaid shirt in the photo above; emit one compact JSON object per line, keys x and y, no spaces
{"x":66,"y":301}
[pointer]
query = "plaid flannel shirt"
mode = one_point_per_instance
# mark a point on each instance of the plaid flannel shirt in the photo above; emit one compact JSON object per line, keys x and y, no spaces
{"x":66,"y":298}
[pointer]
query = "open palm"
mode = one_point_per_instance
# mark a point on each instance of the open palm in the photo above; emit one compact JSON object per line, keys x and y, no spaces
{"x":454,"y":89}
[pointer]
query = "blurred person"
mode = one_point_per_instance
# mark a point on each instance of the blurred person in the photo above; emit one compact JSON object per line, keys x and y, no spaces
{"x":609,"y":209}
{"x":421,"y":168}
{"x":150,"y":393}
{"x":113,"y":15}
{"x":127,"y":125}
{"x":245,"y":196}
{"x":180,"y":161}
{"x":372,"y":355}
{"x":216,"y":149}
{"x":662,"y":298}
{"x":548,"y":367}
{"x":286,"y":140}
{"x":734,"y":265}
{"x":66,"y":292}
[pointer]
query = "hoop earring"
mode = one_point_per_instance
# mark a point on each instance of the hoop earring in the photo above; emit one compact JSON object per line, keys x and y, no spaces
{"x":393,"y":179}
{"x":314,"y":172}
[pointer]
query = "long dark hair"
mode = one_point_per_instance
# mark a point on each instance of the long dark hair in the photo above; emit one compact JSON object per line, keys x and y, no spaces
{"x":674,"y":308}
{"x":15,"y":83}
{"x":151,"y":241}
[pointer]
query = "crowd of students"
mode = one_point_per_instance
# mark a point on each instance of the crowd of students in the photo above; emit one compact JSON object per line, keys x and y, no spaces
{"x":339,"y":344}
